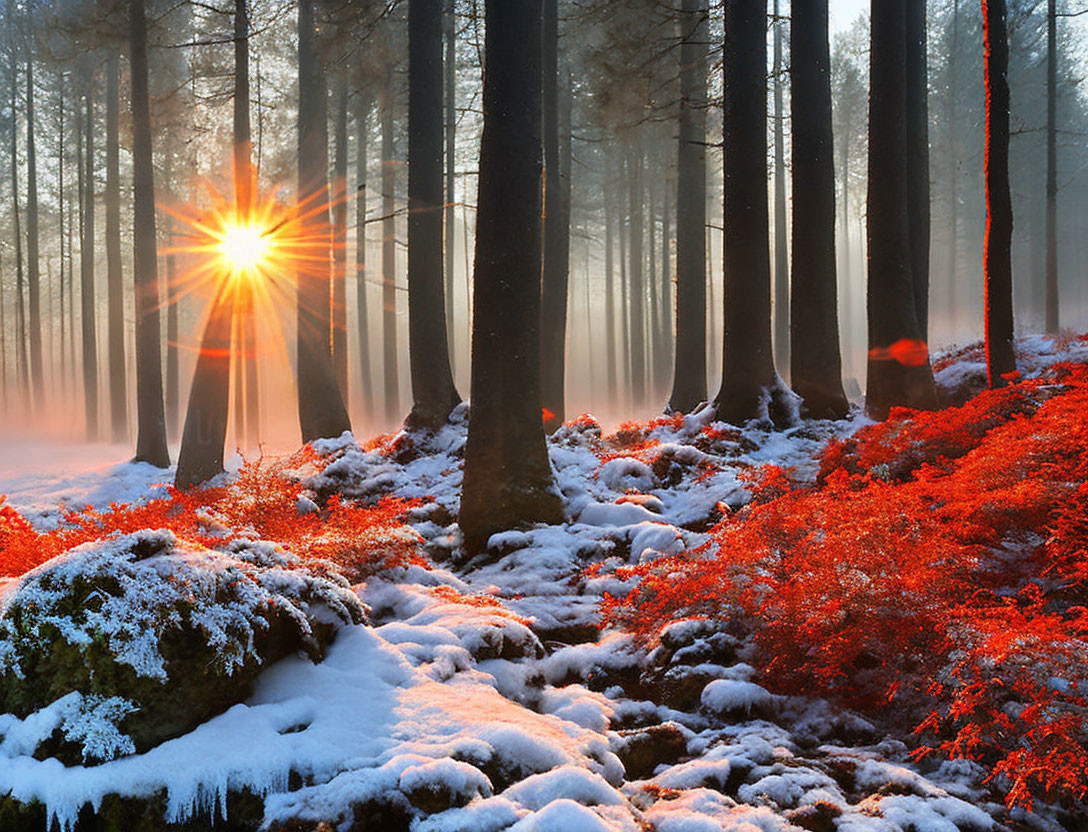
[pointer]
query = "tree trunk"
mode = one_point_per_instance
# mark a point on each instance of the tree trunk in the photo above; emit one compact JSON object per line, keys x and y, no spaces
{"x":114,"y":278}
{"x":450,"y":25}
{"x":816,"y":364}
{"x":898,"y":368}
{"x":173,"y":372}
{"x":389,"y":256}
{"x":1052,"y":315}
{"x":361,"y":278}
{"x":952,"y":119}
{"x":86,"y":272}
{"x":508,"y":479}
{"x":689,"y":370}
{"x":247,"y":403}
{"x":611,"y":370}
{"x":918,"y":159}
{"x":340,"y":239}
{"x":321,"y":411}
{"x":635,"y":312}
{"x":22,"y":366}
{"x":433,"y":393}
{"x":998,"y":246}
{"x":749,"y":372}
{"x":150,"y":416}
{"x":556,"y":269}
{"x":32,"y":242}
{"x":781,"y":304}
{"x":60,"y":233}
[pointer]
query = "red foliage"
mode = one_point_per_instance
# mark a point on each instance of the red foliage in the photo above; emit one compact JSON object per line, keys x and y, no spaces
{"x":265,"y":501}
{"x":911,"y":574}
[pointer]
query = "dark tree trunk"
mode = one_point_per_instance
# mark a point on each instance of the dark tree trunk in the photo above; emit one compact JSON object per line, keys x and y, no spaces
{"x":952,"y":120}
{"x":114,"y":278}
{"x":1052,"y":314}
{"x":918,"y":159}
{"x":898,"y":368}
{"x":433,"y":391}
{"x":340,"y":240}
{"x":689,"y":371}
{"x":816,"y":365}
{"x":508,"y":478}
{"x":247,"y":401}
{"x":150,"y":416}
{"x":450,"y":25}
{"x":781,"y":304}
{"x":33,"y":271}
{"x":361,"y":277}
{"x":22,"y":366}
{"x":61,"y":196}
{"x":998,"y":246}
{"x":556,"y":269}
{"x":749,"y":372}
{"x":636,"y":312}
{"x":321,"y":411}
{"x":201,"y":455}
{"x":86,"y":272}
{"x":389,"y":256}
{"x":173,"y":372}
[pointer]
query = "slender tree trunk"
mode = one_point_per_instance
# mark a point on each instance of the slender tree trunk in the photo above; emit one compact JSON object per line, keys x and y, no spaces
{"x":898,"y":369}
{"x":556,"y":269}
{"x":749,"y":372}
{"x":918,"y":210}
{"x":781,"y":304}
{"x":508,"y":480}
{"x":653,"y":329}
{"x":1000,"y":359}
{"x":86,"y":282}
{"x":321,"y":411}
{"x":361,"y":278}
{"x":433,"y":393}
{"x":636,"y":314}
{"x":22,"y":366}
{"x":114,"y":279}
{"x":247,"y":403}
{"x":60,"y":230}
{"x":173,"y":372}
{"x":665,"y":359}
{"x":150,"y":416}
{"x":450,"y":25}
{"x":340,"y":239}
{"x":689,"y":370}
{"x":952,"y":119}
{"x":816,"y":365}
{"x":611,"y":369}
{"x":1052,"y":314}
{"x":389,"y":256}
{"x":32,"y":243}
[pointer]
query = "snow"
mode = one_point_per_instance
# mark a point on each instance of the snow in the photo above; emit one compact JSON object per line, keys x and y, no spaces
{"x":501,"y":711}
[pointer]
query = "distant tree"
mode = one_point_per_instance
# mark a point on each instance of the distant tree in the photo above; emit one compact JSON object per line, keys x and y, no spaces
{"x":433,"y":393}
{"x":321,"y":408}
{"x":88,"y":327}
{"x":899,"y":373}
{"x":781,"y":304}
{"x":816,"y":364}
{"x":389,"y":250}
{"x":1052,"y":313}
{"x":340,"y":236}
{"x":150,"y":415}
{"x":114,"y":277}
{"x":362,"y":111}
{"x":749,"y":374}
{"x":33,"y":244}
{"x":508,"y":479}
{"x":689,"y":372}
{"x":1000,"y":359}
{"x":556,"y":268}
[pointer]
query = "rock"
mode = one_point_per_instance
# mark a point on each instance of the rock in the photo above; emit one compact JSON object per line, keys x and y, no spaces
{"x":133,"y":640}
{"x":816,"y":817}
{"x":644,"y":749}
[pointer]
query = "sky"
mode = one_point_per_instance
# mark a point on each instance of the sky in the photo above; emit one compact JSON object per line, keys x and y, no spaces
{"x":844,"y":12}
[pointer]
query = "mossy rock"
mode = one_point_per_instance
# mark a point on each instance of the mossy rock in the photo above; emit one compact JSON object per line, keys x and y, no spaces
{"x":154,"y":636}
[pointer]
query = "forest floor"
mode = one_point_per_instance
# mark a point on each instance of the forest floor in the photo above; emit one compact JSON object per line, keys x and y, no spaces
{"x":484,"y":695}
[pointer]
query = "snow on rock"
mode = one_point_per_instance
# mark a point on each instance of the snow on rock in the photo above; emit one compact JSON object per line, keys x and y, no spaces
{"x":729,"y":697}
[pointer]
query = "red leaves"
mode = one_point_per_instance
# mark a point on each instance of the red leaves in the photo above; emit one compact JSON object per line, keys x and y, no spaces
{"x":908,"y":577}
{"x":263,"y":502}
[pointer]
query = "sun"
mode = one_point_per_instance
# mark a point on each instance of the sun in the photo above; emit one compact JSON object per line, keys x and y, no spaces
{"x":245,"y":248}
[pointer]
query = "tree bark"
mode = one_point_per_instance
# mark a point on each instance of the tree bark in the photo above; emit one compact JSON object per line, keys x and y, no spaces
{"x":816,"y":363}
{"x":898,"y":366}
{"x":361,"y":277}
{"x":689,"y":366}
{"x":1053,"y":323}
{"x":450,"y":26}
{"x":611,"y":370}
{"x":150,"y":416}
{"x":60,"y":232}
{"x":433,"y":393}
{"x":918,"y":209}
{"x":1000,"y":359}
{"x":321,"y":411}
{"x":33,"y":264}
{"x":340,"y":239}
{"x":114,"y":277}
{"x":635,"y":312}
{"x":389,"y":256}
{"x":749,"y":372}
{"x":508,"y":479}
{"x":556,"y":269}
{"x":247,"y":401}
{"x":781,"y":304}
{"x":86,"y":272}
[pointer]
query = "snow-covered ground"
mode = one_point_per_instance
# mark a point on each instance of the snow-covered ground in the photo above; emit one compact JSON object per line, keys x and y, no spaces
{"x":482,"y":695}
